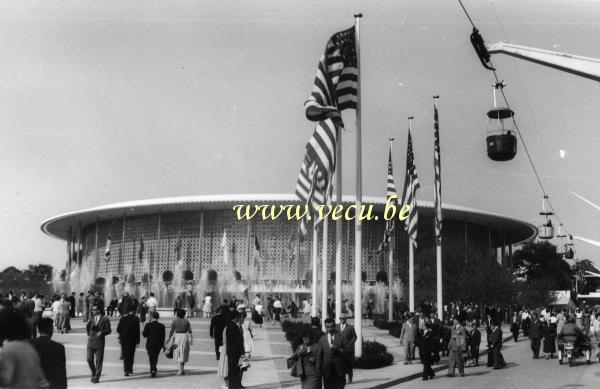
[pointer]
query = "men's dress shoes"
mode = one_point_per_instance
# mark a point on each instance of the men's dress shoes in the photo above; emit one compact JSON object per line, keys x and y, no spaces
{"x":462,"y":374}
{"x":126,"y":374}
{"x":449,"y":375}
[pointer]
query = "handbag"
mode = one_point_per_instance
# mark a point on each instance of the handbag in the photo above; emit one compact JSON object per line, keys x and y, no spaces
{"x":169,"y":348}
{"x":244,"y":362}
{"x":297,"y":369}
{"x":291,"y":361}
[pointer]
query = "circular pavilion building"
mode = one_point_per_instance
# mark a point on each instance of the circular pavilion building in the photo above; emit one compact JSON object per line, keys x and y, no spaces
{"x":150,"y":244}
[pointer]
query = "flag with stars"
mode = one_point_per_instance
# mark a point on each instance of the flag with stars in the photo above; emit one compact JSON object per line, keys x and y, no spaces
{"x":409,"y":195}
{"x":336,"y":84}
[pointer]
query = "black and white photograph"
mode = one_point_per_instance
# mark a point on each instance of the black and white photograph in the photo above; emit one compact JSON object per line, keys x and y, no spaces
{"x":297,"y":194}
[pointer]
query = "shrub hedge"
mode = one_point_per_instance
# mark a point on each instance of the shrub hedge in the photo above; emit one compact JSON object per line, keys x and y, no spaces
{"x":374,"y":356}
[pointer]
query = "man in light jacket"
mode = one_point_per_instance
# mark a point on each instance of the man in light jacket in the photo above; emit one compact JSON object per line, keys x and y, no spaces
{"x":408,"y":337}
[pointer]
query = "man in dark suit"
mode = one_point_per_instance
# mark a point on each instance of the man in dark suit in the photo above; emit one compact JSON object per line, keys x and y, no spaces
{"x":155,"y":334}
{"x":427,"y":350}
{"x":235,"y":349}
{"x":71,"y":299}
{"x":330,"y":358}
{"x":129,"y":337}
{"x":97,"y":329}
{"x":349,"y":336}
{"x":475,"y":337}
{"x":495,"y":346}
{"x":535,"y":333}
{"x":217,"y":325}
{"x":52,"y":355}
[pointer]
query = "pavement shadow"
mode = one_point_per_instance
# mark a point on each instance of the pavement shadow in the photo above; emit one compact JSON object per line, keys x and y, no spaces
{"x":368,"y":380}
{"x":275,"y":385}
{"x":147,"y":375}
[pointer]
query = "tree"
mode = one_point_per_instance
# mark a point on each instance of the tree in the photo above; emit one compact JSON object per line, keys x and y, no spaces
{"x":539,"y":260}
{"x":540,"y":272}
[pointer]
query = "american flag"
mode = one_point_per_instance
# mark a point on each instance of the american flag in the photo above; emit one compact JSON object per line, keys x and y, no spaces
{"x":336,"y":83}
{"x":409,"y":195}
{"x":437,"y":167}
{"x":313,"y":186}
{"x":390,"y":191}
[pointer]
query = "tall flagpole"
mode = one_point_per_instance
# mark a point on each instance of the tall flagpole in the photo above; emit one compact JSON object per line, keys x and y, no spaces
{"x":70,"y":255}
{"x":358,"y":222}
{"x":411,"y":255}
{"x":391,"y":262}
{"x":438,"y":193}
{"x":338,"y":228}
{"x":315,"y":268}
{"x":324,"y":274}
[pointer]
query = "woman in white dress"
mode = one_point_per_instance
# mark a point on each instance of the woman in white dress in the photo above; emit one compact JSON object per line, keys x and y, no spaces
{"x":306,"y":308}
{"x":56,"y":306}
{"x":207,"y":307}
{"x":247,"y":330}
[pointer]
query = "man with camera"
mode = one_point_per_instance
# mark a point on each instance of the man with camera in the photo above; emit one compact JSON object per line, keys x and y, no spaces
{"x":97,"y":329}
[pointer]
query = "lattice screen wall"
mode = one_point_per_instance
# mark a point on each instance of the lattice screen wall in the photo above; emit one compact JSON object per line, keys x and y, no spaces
{"x":199,"y":236}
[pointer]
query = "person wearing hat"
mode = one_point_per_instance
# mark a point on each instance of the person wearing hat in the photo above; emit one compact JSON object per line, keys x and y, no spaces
{"x":349,"y":337}
{"x":495,"y":345}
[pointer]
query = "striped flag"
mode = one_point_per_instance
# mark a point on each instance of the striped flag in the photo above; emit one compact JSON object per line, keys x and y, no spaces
{"x":336,"y":83}
{"x":313,"y":186}
{"x":409,"y":195}
{"x":108,"y":247}
{"x":390,"y":191}
{"x":437,"y":167}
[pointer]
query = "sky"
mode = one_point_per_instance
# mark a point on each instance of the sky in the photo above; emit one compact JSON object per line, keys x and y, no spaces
{"x":111,"y":101}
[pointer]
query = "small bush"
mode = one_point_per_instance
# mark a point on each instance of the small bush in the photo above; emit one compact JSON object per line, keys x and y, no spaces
{"x":374,"y":356}
{"x":382,"y":324}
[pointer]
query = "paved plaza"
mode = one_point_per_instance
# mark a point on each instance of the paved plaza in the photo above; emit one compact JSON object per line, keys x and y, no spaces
{"x":268,"y":368}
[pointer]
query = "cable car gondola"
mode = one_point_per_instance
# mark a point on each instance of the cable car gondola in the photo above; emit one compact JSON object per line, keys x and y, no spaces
{"x":569,"y":254}
{"x":546,"y":230}
{"x":501,"y":141}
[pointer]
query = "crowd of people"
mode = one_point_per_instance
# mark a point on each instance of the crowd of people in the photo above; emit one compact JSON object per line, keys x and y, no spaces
{"x":323,"y":359}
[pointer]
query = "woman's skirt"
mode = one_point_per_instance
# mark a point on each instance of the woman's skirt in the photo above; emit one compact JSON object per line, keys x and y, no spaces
{"x":549,"y":345}
{"x":182,"y":352}
{"x":223,"y":367}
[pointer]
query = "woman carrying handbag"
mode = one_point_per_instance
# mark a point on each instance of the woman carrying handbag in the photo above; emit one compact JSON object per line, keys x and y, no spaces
{"x":305,"y":366}
{"x":181,"y":335}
